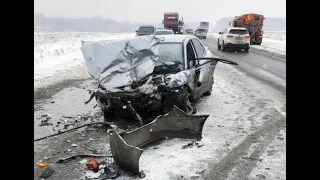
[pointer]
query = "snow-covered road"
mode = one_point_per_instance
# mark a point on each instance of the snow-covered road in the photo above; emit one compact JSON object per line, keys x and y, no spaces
{"x":243,"y":138}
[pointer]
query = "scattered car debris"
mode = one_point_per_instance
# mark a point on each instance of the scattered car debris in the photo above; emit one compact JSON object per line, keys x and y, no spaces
{"x":61,"y":132}
{"x":42,"y":164}
{"x":74,"y":145}
{"x":110,"y":171}
{"x":46,"y":172}
{"x":63,"y":160}
{"x":193,"y":143}
{"x":83,"y":161}
{"x":46,"y":158}
{"x":126,"y":146}
{"x":93,"y":164}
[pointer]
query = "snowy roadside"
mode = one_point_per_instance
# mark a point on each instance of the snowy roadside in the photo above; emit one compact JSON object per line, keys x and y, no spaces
{"x":57,"y":56}
{"x":273,"y":43}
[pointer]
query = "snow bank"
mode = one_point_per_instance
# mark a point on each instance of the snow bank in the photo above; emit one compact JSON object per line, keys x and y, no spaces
{"x":61,"y":51}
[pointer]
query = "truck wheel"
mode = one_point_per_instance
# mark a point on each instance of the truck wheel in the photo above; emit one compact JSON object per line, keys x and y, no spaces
{"x":246,"y":49}
{"x":259,"y":43}
{"x":219,"y":46}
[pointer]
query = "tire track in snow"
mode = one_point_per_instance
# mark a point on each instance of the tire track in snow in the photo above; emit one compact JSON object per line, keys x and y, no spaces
{"x":234,"y":158}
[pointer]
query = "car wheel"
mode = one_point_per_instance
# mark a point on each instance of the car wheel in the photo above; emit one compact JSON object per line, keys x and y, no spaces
{"x":208,"y":93}
{"x":246,"y":49}
{"x":219,"y":46}
{"x":107,"y":115}
{"x":205,"y":37}
{"x":186,"y":104}
{"x":222,"y":46}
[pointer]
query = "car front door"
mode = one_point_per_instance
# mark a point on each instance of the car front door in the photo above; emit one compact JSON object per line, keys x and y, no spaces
{"x":202,"y":68}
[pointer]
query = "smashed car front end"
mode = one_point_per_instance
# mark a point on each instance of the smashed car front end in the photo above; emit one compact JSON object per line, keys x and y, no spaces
{"x":131,"y":78}
{"x":154,"y":97}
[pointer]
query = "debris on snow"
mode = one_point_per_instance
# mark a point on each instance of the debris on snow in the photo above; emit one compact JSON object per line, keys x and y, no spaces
{"x":46,"y":172}
{"x":74,"y":145}
{"x":83,"y":161}
{"x":178,"y":125}
{"x":93,"y":164}
{"x":63,"y":160}
{"x":42,"y":164}
{"x":193,"y":143}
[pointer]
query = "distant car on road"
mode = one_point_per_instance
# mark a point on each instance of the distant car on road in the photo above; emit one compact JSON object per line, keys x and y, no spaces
{"x":145,"y":30}
{"x":163,"y":32}
{"x":189,"y":31}
{"x":235,"y":38}
{"x":201,"y":33}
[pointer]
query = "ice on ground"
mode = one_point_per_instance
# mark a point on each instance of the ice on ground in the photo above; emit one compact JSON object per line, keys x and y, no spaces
{"x":61,"y":51}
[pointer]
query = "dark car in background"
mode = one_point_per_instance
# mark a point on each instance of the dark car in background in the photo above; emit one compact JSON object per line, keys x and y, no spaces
{"x":145,"y":30}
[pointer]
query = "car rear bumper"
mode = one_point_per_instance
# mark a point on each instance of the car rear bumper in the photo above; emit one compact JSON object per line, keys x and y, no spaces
{"x":242,"y":46}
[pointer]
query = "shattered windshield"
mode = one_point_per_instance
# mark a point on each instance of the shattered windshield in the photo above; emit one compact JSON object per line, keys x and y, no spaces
{"x":170,"y":57}
{"x":170,"y":53}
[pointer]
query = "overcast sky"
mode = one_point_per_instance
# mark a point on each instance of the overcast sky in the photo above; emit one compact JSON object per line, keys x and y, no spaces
{"x":152,"y":10}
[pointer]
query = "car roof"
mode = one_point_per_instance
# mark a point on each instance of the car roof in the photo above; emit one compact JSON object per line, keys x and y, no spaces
{"x":175,"y":38}
{"x":163,"y":30}
{"x":237,"y":28}
{"x":147,"y":26}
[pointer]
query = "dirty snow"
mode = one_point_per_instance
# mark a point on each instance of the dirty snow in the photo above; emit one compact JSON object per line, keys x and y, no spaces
{"x":61,"y":51}
{"x":244,"y":107}
{"x":273,"y":41}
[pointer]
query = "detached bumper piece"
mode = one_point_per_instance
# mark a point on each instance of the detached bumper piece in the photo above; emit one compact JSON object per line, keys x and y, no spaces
{"x":127,"y":147}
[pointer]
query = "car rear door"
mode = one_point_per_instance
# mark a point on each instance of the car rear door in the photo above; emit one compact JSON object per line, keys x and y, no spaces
{"x":238,"y":36}
{"x":202,"y":68}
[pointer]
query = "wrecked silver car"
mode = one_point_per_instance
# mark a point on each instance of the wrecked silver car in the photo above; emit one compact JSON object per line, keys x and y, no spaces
{"x":148,"y":75}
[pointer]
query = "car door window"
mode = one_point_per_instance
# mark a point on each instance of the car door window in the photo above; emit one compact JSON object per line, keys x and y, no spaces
{"x":200,"y":50}
{"x":190,"y":56}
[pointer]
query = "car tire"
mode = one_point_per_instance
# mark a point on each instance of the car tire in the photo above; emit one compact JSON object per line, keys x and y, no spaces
{"x":246,"y":49}
{"x":223,"y":47}
{"x":186,"y":104}
{"x":204,"y":37}
{"x":208,"y":93}
{"x":219,"y":46}
{"x":107,"y":115}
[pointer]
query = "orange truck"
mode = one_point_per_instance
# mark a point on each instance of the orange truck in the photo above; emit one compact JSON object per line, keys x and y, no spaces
{"x":253,"y":23}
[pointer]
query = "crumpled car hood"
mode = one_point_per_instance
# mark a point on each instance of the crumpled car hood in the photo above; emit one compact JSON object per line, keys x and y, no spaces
{"x":120,"y":63}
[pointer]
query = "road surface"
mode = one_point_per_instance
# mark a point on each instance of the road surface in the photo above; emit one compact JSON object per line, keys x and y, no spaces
{"x":243,"y":138}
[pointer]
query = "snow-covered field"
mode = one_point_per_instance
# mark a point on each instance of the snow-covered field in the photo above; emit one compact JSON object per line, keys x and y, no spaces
{"x":61,"y":51}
